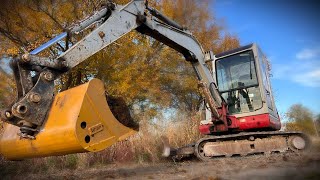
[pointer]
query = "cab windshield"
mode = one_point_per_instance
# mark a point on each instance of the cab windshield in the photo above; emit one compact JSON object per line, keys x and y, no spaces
{"x":238,"y":83}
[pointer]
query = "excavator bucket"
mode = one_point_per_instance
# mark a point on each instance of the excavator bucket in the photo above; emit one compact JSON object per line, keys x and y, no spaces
{"x":79,"y":120}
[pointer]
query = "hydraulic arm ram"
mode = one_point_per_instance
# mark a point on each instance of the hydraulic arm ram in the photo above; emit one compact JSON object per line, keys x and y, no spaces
{"x":35,"y":92}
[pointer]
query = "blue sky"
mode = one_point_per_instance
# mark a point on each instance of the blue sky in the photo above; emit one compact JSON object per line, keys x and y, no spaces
{"x":289,"y":34}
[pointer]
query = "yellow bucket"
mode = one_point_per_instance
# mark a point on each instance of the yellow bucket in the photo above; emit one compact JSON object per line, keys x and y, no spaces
{"x":79,"y":121}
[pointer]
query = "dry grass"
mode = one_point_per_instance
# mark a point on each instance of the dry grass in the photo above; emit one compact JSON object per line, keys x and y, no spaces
{"x":144,"y":147}
{"x":315,"y":143}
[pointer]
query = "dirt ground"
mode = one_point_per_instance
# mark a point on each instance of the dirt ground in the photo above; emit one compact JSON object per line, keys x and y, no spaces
{"x":289,"y":166}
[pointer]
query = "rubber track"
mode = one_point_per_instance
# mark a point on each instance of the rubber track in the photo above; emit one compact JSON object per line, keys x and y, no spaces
{"x":246,"y":135}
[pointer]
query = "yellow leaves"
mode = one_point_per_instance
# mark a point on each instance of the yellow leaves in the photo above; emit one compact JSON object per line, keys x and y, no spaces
{"x":136,"y":66}
{"x":65,"y":11}
{"x":11,"y":51}
{"x":168,"y":8}
{"x":29,"y":24}
{"x":300,"y":119}
{"x":6,"y":89}
{"x":227,"y":42}
{"x":121,"y":1}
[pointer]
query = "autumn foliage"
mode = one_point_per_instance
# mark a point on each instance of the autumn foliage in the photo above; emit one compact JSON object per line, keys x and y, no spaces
{"x":144,"y":71}
{"x":150,"y":76}
{"x":300,"y":118}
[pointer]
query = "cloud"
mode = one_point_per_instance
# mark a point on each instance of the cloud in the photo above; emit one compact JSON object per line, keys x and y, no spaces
{"x":280,"y":71}
{"x":306,"y":73}
{"x":311,"y":78}
{"x":308,"y":53}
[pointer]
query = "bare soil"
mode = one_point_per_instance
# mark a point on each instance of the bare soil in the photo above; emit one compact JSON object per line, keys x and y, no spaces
{"x":276,"y":166}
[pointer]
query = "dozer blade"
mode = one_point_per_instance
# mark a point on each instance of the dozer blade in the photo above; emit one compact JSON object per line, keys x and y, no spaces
{"x":79,"y":121}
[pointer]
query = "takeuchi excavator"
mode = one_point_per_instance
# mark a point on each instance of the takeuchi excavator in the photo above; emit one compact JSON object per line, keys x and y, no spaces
{"x":241,"y":115}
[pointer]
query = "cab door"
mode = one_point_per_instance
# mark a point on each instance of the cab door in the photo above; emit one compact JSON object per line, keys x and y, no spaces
{"x":265,"y":80}
{"x":265,"y":75}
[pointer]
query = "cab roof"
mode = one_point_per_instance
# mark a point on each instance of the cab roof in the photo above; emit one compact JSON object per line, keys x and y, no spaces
{"x":242,"y":48}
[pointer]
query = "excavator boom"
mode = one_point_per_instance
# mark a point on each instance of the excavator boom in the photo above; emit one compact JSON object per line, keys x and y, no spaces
{"x":38,"y":119}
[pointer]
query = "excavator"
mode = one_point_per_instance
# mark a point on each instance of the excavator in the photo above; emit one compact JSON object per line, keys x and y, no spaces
{"x":241,"y":117}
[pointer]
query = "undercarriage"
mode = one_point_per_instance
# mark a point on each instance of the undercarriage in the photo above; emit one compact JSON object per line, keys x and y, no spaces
{"x":243,"y":144}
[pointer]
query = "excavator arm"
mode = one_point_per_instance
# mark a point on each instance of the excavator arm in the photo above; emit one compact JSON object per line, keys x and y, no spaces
{"x":133,"y":17}
{"x":33,"y":110}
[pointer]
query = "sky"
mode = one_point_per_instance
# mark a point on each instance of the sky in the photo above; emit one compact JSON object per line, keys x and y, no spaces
{"x":288,"y":31}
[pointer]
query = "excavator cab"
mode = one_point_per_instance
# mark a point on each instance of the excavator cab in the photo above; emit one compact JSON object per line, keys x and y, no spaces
{"x":242,"y":78}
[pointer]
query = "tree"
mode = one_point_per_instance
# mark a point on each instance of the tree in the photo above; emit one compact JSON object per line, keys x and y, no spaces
{"x":6,"y":88}
{"x":300,"y":119}
{"x":317,"y":124}
{"x":6,"y":91}
{"x":145,"y":72}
